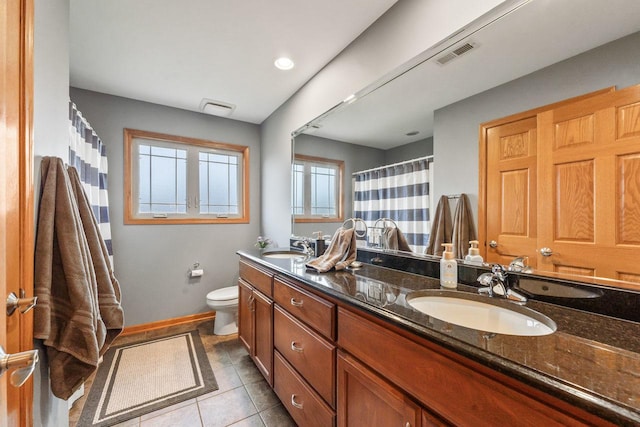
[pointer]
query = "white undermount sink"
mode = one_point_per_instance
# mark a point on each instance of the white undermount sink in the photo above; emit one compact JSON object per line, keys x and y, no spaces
{"x":481,"y":313}
{"x":284,"y":254}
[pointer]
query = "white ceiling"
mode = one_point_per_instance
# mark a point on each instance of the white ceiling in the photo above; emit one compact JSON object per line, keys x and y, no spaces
{"x":177,"y":52}
{"x":536,"y":35}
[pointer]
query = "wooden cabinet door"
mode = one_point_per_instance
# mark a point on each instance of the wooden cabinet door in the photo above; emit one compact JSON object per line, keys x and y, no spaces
{"x":365,"y":399}
{"x":589,"y":182}
{"x":245,"y":316}
{"x":511,"y":191}
{"x":263,"y":324}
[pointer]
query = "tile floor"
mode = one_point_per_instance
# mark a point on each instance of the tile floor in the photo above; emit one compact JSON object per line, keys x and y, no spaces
{"x":243,"y":398}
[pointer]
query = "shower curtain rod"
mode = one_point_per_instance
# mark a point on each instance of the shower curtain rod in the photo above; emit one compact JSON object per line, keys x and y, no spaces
{"x":394,"y":164}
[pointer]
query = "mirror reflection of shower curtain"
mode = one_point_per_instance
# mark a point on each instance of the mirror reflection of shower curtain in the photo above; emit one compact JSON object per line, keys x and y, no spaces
{"x":88,"y":155}
{"x":399,"y":192}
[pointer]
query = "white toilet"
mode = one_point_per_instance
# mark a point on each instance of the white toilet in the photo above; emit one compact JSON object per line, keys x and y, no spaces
{"x":225,"y":303}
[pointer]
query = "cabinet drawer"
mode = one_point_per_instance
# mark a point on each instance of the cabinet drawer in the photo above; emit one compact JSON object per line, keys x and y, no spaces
{"x":310,"y":354}
{"x":260,"y":279}
{"x":304,"y":405}
{"x":313,"y":310}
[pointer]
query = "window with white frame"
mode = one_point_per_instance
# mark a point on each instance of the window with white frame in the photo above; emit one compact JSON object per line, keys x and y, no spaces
{"x":316,"y":190}
{"x":171,"y":179}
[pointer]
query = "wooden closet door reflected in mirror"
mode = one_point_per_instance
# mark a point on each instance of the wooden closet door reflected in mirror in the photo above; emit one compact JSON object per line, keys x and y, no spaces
{"x":561,"y":185}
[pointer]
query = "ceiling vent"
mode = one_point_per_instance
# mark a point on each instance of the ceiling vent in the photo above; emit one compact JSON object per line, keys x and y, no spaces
{"x":216,"y":108}
{"x":455,"y":53}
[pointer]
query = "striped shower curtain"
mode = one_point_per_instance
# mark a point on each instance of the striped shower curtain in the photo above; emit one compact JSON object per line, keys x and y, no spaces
{"x":399,"y":192}
{"x":88,"y":155}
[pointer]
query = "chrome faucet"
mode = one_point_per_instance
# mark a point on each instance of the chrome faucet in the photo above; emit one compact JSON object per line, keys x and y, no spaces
{"x":519,"y":265}
{"x":304,"y":243}
{"x":498,"y":278}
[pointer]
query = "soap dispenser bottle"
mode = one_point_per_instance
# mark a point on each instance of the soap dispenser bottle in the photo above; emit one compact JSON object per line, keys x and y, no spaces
{"x":448,"y":268}
{"x":473,"y":257}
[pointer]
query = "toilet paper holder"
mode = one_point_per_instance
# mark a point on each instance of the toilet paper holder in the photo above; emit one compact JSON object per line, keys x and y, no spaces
{"x":195,"y":270}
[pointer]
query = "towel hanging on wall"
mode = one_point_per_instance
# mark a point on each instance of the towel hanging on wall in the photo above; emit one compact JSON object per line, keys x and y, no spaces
{"x":78,"y":312}
{"x":440,"y":228}
{"x":463,"y":227}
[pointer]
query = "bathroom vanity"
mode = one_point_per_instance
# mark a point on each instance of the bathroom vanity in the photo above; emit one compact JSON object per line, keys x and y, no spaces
{"x":345,"y":348}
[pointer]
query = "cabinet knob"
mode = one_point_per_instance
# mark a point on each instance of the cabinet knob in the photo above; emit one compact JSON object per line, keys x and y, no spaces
{"x":296,"y":347}
{"x":296,"y":303}
{"x":294,"y":403}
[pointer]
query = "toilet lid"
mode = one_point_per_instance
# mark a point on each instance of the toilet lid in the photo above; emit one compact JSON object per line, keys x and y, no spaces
{"x":224,"y":294}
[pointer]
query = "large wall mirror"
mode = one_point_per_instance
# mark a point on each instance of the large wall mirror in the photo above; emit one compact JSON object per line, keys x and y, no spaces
{"x":522,"y":55}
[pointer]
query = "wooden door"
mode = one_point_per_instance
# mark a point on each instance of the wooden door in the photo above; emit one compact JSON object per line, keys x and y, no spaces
{"x":589,"y":180}
{"x":245,"y":316}
{"x":16,"y":195}
{"x":511,"y":191}
{"x":365,"y":399}
{"x":263,"y":321}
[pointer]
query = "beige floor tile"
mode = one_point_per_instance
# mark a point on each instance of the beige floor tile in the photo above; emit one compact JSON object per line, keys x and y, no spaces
{"x":227,"y":379}
{"x":262,"y":395}
{"x":218,"y":356}
{"x":277,"y":417}
{"x":236,"y":350}
{"x":134,"y":422}
{"x":226,"y":408}
{"x":253,"y":421}
{"x":168,"y":409}
{"x":248,"y":371}
{"x":186,"y":416}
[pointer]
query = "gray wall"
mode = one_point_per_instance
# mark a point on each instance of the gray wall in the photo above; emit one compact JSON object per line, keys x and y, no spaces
{"x":456,"y":126}
{"x":406,"y":30}
{"x":355,"y":157}
{"x":414,"y":150}
{"x":51,"y":138}
{"x":151,"y":261}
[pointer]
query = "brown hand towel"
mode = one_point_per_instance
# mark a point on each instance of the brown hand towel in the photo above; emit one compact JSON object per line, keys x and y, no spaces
{"x":440,"y":228}
{"x":340,"y":253}
{"x":463,"y":227}
{"x":395,"y":240}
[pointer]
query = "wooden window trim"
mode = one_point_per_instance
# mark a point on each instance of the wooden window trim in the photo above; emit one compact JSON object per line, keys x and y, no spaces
{"x":129,"y":218}
{"x":340,"y":164}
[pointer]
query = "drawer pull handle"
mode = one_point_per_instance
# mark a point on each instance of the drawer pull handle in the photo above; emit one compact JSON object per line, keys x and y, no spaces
{"x":296,"y":303}
{"x":294,"y":403}
{"x":295,"y":347}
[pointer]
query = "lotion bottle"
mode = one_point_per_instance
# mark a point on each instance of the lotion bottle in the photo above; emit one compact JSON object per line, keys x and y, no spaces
{"x":448,"y":268}
{"x":473,"y":257}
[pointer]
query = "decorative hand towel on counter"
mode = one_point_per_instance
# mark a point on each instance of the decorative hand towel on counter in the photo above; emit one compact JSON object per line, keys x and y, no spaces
{"x":464,"y":228}
{"x":341,"y":252}
{"x":78,"y":311}
{"x":440,"y":228}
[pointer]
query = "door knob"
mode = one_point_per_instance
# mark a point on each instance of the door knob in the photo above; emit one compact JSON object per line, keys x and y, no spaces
{"x":22,"y":303}
{"x":493,"y":244}
{"x":24,"y":364}
{"x":546,"y":252}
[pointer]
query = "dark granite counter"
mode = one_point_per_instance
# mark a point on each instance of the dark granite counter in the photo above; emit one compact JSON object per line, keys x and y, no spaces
{"x":591,"y":361}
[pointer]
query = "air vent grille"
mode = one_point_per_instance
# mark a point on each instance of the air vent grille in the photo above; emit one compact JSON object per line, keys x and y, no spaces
{"x":455,"y":53}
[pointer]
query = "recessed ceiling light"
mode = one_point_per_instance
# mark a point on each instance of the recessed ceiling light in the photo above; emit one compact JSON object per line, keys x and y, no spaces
{"x":284,"y":63}
{"x":412,"y":133}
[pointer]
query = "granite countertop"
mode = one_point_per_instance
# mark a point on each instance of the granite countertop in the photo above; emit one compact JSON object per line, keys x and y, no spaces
{"x":591,"y":361}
